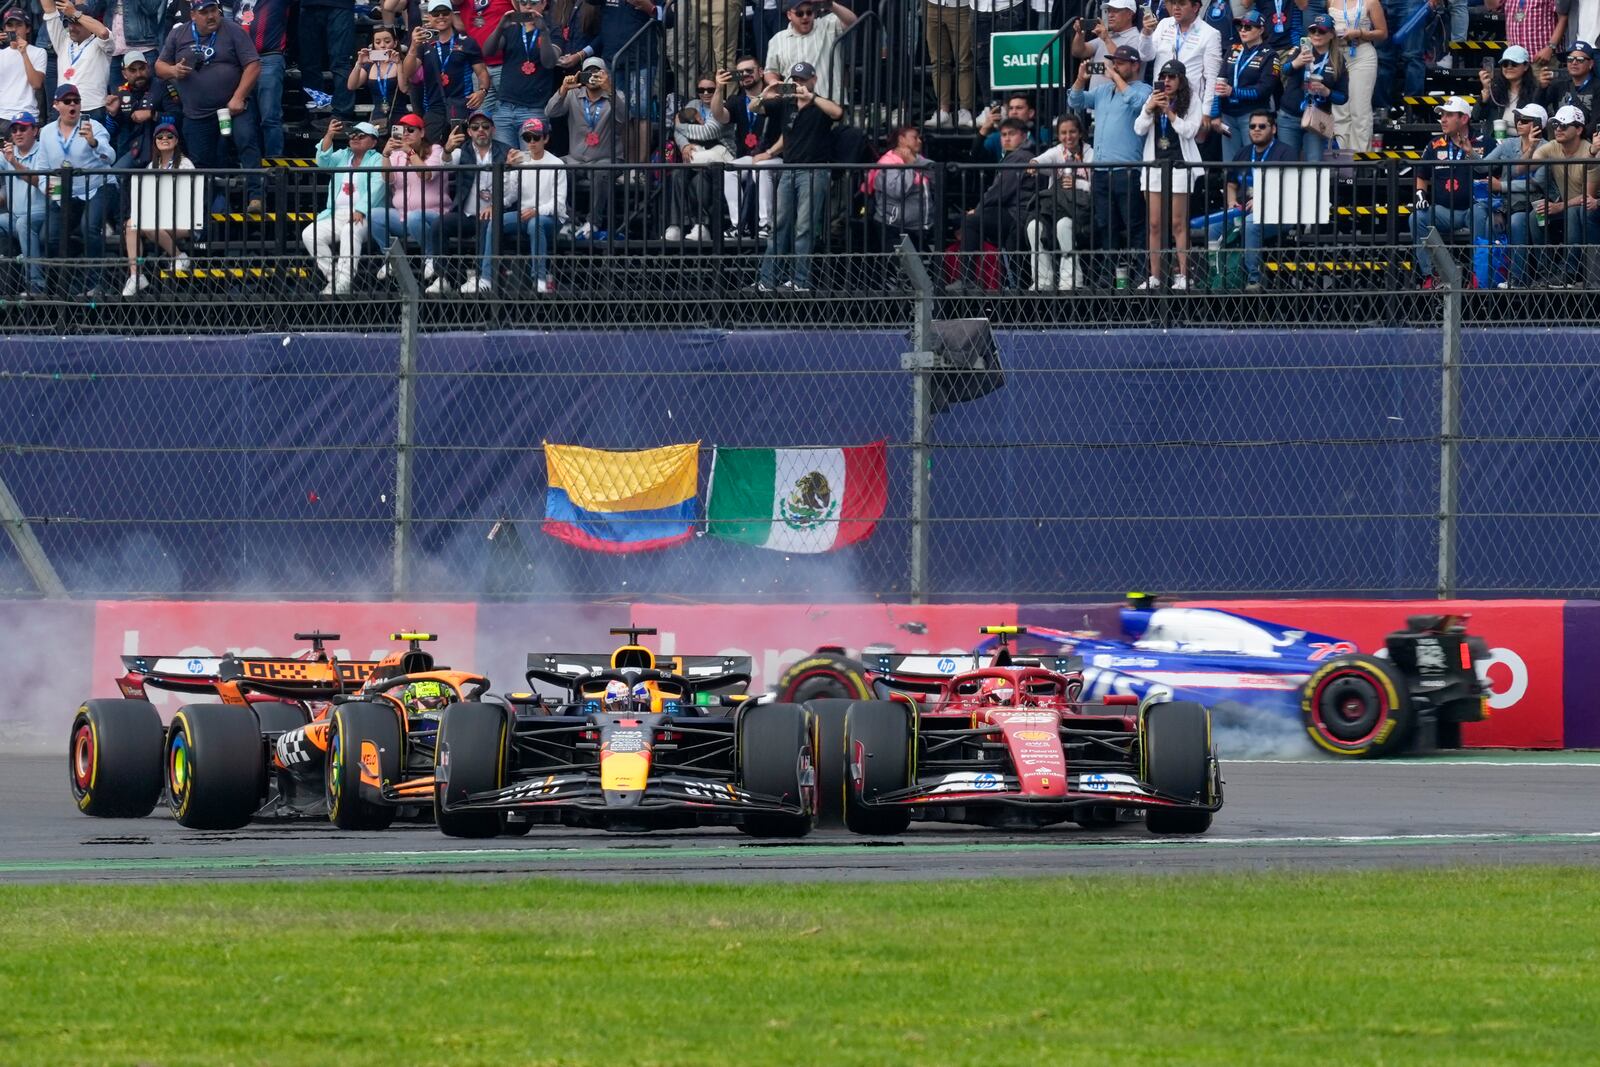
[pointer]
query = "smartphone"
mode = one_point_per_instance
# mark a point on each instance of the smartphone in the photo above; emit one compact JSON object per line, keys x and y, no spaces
{"x":1097,"y":68}
{"x":397,"y":131}
{"x":379,"y":55}
{"x":786,"y":90}
{"x":1305,"y":44}
{"x":1489,"y":63}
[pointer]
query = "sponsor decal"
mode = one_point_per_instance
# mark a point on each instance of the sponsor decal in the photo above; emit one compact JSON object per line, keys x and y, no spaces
{"x":625,"y":741}
{"x":1032,"y":735}
{"x":968,"y":782}
{"x":1430,"y":655}
{"x":946,"y":665}
{"x":195,"y":666}
{"x":1109,"y":783}
{"x":1025,"y":717}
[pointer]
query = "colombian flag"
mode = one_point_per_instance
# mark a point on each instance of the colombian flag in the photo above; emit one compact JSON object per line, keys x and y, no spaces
{"x":621,"y":501}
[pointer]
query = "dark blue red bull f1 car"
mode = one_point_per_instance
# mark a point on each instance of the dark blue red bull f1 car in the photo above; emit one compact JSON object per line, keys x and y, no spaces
{"x":1266,"y":684}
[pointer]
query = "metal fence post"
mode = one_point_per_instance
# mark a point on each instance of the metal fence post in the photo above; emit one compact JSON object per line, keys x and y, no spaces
{"x":405,"y":410}
{"x":921,"y":363}
{"x":29,"y":550}
{"x":1449,"y":410}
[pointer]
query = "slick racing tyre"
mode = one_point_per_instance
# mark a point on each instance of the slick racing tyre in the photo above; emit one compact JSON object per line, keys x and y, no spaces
{"x":775,"y":743}
{"x":825,"y":675}
{"x":471,"y":756}
{"x":879,"y":742}
{"x":1176,"y":747}
{"x":832,"y":767}
{"x":216,"y":766}
{"x":360,"y":734}
{"x":1357,"y":706}
{"x":114,"y":758}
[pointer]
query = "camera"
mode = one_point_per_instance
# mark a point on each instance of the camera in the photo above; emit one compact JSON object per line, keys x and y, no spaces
{"x":9,"y":37}
{"x":1097,"y":68}
{"x":428,"y":37}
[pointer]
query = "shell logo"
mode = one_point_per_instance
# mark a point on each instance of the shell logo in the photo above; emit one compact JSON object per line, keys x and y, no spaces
{"x":1033,"y":735}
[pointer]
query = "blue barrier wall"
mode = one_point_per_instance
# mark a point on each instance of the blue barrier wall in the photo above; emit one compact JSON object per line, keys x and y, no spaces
{"x":1196,"y":461}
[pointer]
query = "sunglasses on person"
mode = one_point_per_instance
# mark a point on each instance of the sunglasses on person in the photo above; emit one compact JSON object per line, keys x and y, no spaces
{"x":69,"y":101}
{"x":1242,"y":26}
{"x":1523,"y":119}
{"x":1569,"y":125}
{"x":705,"y":90}
{"x":803,"y":14}
{"x":480,"y":125}
{"x":1319,"y":31}
{"x":748,"y":72}
{"x":166,"y":135}
{"x":1261,"y":125}
{"x":1579,"y":57}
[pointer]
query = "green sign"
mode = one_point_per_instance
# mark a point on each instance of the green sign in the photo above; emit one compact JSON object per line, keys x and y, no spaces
{"x":1017,"y":60}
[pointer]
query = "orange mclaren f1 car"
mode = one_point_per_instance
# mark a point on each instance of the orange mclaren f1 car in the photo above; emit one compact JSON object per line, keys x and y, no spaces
{"x":309,"y":735}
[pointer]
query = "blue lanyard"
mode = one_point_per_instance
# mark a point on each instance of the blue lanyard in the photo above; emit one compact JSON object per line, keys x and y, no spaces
{"x":1242,"y":58}
{"x":66,"y":146}
{"x":1264,"y":152}
{"x":1181,"y":37}
{"x":441,"y":53}
{"x":591,"y":117}
{"x":383,"y":91}
{"x":530,"y":45}
{"x":72,"y":59}
{"x":207,"y":50}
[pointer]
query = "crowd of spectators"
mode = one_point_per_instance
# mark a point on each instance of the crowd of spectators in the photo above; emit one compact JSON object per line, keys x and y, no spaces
{"x":442,"y":129}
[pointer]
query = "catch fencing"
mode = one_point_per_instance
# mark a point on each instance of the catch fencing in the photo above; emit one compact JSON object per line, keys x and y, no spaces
{"x":399,"y":452}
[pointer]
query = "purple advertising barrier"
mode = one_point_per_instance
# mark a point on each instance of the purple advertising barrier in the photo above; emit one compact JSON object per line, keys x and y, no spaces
{"x":46,"y":672}
{"x":1580,"y":674}
{"x":508,"y":632}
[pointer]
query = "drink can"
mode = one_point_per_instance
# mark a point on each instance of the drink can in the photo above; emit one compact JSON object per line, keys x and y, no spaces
{"x":1377,"y":142}
{"x":1122,"y":277}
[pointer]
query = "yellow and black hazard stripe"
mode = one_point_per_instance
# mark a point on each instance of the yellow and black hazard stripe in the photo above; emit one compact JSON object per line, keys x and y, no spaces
{"x":256,"y":216}
{"x":281,"y":162}
{"x":1477,"y":46}
{"x":1331,"y":266}
{"x":1435,"y":101}
{"x":1380,"y":209}
{"x":1390,"y":153}
{"x":196,"y":273}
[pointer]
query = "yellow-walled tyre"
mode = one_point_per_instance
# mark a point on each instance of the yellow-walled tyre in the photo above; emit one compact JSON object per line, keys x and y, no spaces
{"x":359,"y":733}
{"x":216,"y":766}
{"x":1357,"y":706}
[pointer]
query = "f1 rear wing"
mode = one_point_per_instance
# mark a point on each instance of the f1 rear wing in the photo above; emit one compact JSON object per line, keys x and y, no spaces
{"x":295,"y":679}
{"x":706,"y":673}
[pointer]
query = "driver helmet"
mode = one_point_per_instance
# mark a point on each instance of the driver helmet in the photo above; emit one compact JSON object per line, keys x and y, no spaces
{"x":617,"y":696}
{"x":996,"y":691}
{"x":642,"y":697}
{"x":426,"y":699}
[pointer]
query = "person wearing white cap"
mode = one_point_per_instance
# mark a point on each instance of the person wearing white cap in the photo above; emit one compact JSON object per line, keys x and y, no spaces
{"x":1510,"y":85}
{"x":1094,"y":42}
{"x":1516,"y":187}
{"x":339,"y":233}
{"x":1444,"y":182}
{"x":1569,"y":186}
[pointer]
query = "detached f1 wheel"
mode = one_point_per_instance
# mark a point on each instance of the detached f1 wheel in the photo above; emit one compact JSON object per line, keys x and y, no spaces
{"x":362,"y":733}
{"x":472,"y":755}
{"x":1357,"y":706}
{"x":776,"y":759}
{"x":833,"y":766}
{"x":1176,"y":746}
{"x":114,"y":758}
{"x":878,"y":738}
{"x":216,"y":766}
{"x":824,"y":676}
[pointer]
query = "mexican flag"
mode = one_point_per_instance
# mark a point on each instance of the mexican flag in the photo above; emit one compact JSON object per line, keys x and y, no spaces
{"x":797,"y":499}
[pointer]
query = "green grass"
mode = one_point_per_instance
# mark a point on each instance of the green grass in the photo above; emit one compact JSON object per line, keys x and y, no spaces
{"x":1476,"y":965}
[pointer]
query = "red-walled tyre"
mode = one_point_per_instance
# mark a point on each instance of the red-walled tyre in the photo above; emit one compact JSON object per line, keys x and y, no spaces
{"x":1356,"y":707}
{"x":114,"y":758}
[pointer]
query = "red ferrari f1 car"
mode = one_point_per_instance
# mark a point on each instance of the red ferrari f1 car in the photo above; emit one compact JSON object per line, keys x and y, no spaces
{"x":1011,"y":744}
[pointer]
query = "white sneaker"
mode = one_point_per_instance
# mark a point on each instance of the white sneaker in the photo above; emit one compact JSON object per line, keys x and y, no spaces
{"x":181,"y":265}
{"x":697,"y":233}
{"x":582,"y":232}
{"x":437,"y":286}
{"x":383,"y":273}
{"x":429,"y":270}
{"x":475,"y":284}
{"x":940,"y":118}
{"x":541,"y":286}
{"x":1180,"y":282}
{"x":674,"y":233}
{"x":1150,"y":284}
{"x":137,"y":283}
{"x":964,"y":118}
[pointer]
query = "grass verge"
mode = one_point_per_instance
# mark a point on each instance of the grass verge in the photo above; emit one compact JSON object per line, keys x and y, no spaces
{"x":1477,"y":965}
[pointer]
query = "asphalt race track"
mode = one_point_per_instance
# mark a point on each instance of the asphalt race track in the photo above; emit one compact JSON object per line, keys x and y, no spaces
{"x":1479,"y":809}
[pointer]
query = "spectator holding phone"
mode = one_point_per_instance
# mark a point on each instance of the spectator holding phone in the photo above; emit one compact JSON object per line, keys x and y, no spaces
{"x":154,"y":211}
{"x":474,"y":213}
{"x":214,"y":64}
{"x":595,"y":113}
{"x":26,"y":197}
{"x":754,"y":134}
{"x":1249,"y":80}
{"x":335,"y":239}
{"x":1359,"y":27}
{"x":82,"y":209}
{"x":1567,"y":200}
{"x":801,"y":201}
{"x":528,"y":75}
{"x":22,"y":67}
{"x":417,"y":193}
{"x":1169,"y":122}
{"x":83,"y":53}
{"x":1516,"y":182}
{"x":1117,"y":104}
{"x":1313,"y":83}
{"x":1508,"y":84}
{"x":449,"y":66}
{"x":1185,"y":37}
{"x":986,"y":144}
{"x":1094,"y":43}
{"x":377,"y":70}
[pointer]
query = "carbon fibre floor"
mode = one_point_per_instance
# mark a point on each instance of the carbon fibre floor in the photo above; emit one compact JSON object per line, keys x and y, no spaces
{"x":1488,"y":809}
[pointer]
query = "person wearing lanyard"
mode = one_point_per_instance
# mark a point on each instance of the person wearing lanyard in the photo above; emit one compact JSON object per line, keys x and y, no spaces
{"x":83,"y":53}
{"x":1169,"y":122}
{"x":449,"y":67}
{"x":1534,"y":26}
{"x":214,"y":64}
{"x":24,"y":212}
{"x":596,"y":114}
{"x":82,"y":209}
{"x":528,"y":73}
{"x":378,"y":68}
{"x":1249,"y":81}
{"x":754,"y":134}
{"x":1263,"y":147}
{"x":1313,"y":83}
{"x":1359,"y":24}
{"x":1283,"y":23}
{"x":1182,"y":36}
{"x":1515,"y":185}
{"x":327,"y":33}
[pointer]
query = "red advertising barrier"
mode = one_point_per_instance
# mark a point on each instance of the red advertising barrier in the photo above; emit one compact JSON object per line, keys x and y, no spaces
{"x":213,"y":628}
{"x":1527,"y":652}
{"x":777,"y":635}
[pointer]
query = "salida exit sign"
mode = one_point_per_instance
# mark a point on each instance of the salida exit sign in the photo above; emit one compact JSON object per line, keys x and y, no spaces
{"x":1019,"y":60}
